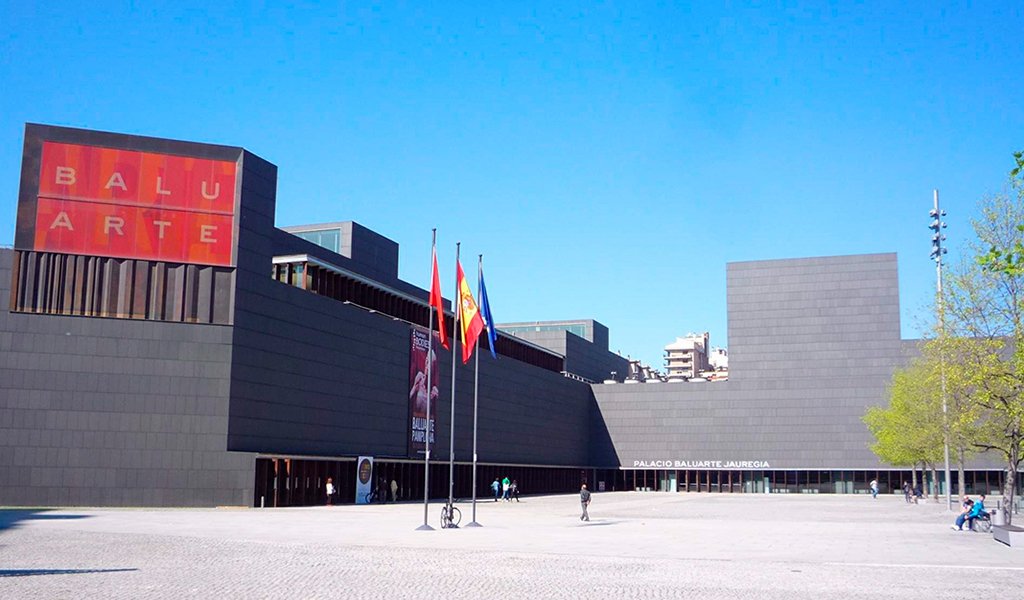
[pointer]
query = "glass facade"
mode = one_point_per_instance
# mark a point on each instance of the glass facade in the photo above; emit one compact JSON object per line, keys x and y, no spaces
{"x":282,"y":481}
{"x":325,"y":238}
{"x":797,"y":482}
{"x":575,"y":328}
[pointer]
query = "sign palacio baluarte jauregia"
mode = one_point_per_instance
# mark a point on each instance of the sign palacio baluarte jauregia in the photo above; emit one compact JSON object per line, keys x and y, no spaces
{"x":701,"y":464}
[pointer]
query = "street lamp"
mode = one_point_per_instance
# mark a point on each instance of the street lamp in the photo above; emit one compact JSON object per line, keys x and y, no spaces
{"x":937,"y":225}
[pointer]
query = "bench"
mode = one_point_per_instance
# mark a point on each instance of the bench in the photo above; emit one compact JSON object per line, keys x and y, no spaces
{"x":1011,"y":535}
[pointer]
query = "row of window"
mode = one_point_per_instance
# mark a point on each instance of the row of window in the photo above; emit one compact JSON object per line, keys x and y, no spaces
{"x":801,"y":482}
{"x":302,"y":482}
{"x":331,"y":284}
{"x":576,"y":329}
{"x":97,"y":286}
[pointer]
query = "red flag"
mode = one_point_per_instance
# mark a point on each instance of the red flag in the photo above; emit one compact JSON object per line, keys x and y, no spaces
{"x":469,"y":316}
{"x":436,"y":302}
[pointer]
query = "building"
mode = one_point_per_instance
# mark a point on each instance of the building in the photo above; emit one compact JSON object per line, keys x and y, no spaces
{"x":687,"y":357}
{"x":643,"y":373}
{"x":583,"y":343}
{"x":162,"y":343}
{"x":718,"y":358}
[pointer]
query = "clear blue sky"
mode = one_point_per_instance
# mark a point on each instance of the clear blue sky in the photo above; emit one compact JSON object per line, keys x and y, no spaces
{"x":608,"y":160}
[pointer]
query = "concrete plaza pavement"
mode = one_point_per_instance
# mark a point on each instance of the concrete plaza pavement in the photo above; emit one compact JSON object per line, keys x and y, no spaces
{"x":637,"y":545}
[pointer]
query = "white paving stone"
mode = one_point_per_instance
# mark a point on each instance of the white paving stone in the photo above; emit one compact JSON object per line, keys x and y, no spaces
{"x":637,"y":545}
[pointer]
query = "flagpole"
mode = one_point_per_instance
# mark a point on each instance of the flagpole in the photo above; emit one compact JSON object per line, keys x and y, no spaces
{"x":430,"y":371}
{"x":476,"y":395}
{"x":455,"y":347}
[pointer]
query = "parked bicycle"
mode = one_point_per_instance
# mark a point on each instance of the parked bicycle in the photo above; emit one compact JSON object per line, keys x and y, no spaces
{"x":450,"y":516}
{"x":982,"y":523}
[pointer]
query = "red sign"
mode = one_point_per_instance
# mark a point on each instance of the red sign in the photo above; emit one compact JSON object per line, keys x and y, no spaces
{"x":122,"y":203}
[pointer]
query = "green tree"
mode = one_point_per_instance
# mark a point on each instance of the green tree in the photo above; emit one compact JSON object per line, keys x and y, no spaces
{"x":958,"y":363}
{"x":1007,"y":255}
{"x":984,"y":311}
{"x":909,"y":430}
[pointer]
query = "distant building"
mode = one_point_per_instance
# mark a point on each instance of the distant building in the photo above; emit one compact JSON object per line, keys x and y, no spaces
{"x":718,"y":358}
{"x":641,"y":373}
{"x":588,"y":329}
{"x":687,"y":357}
{"x":583,"y":343}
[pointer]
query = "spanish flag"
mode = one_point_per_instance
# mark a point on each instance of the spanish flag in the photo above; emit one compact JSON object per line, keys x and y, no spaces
{"x":470,"y":321}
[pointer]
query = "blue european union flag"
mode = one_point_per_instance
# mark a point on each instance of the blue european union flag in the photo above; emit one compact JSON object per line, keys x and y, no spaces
{"x":485,"y":310}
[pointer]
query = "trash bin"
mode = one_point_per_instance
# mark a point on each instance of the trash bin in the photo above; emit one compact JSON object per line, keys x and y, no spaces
{"x":997,"y":517}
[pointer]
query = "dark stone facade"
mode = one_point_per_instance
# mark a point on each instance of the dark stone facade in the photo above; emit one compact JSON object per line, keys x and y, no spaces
{"x":115,"y":412}
{"x":105,"y":411}
{"x":812,"y":344}
{"x":131,"y":412}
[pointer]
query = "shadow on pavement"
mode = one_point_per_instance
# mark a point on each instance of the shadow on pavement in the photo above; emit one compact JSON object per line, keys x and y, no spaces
{"x":29,"y":572}
{"x":10,"y":519}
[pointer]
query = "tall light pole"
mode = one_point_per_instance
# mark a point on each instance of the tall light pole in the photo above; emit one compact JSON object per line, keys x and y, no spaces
{"x":937,"y":225}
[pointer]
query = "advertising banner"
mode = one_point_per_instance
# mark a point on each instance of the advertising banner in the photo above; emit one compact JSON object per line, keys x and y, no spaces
{"x":127,"y":204}
{"x":364,"y":479}
{"x":419,"y":362}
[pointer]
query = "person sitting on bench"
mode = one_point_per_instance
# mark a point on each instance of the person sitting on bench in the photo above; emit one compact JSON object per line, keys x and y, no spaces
{"x":977,"y":511}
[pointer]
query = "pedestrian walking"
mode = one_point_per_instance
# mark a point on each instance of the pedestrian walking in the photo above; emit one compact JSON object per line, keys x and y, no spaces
{"x":584,"y":502}
{"x":329,"y":488}
{"x":505,"y":483}
{"x":496,"y":488}
{"x":906,"y":492}
{"x":394,"y":491}
{"x":874,"y":489}
{"x":514,"y":490}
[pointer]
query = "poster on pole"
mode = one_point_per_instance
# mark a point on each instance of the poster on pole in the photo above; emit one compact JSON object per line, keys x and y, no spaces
{"x":364,"y":479}
{"x":419,"y":396}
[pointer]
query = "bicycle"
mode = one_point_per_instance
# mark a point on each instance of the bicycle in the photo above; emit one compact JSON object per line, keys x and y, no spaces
{"x":981,"y":523}
{"x":450,"y":516}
